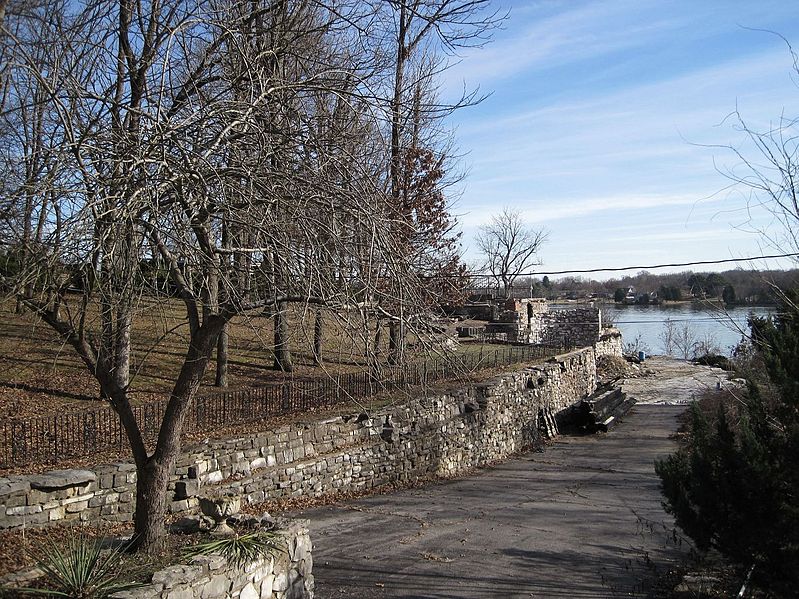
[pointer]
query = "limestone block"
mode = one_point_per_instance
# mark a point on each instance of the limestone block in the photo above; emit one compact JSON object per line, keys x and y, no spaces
{"x":218,"y":586}
{"x":76,"y":507}
{"x":59,"y":479}
{"x":15,"y":500}
{"x":215,"y":476}
{"x":187,"y":488}
{"x":78,"y":499}
{"x":13,"y":486}
{"x":281,"y":582}
{"x":144,"y":592}
{"x":120,"y":480}
{"x":266,"y":586}
{"x":249,"y":592}
{"x":184,"y":592}
{"x":174,"y":576}
{"x":24,"y":510}
{"x":126,"y":508}
{"x":90,"y":514}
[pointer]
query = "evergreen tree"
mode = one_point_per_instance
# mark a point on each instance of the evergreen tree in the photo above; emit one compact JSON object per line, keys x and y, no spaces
{"x":728,"y":295}
{"x":734,"y":485}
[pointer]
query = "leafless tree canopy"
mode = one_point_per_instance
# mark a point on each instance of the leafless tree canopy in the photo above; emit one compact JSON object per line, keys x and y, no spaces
{"x":239,"y":155}
{"x":509,"y":247}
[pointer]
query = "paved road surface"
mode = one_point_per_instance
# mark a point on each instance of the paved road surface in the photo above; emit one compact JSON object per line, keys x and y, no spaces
{"x":581,"y":519}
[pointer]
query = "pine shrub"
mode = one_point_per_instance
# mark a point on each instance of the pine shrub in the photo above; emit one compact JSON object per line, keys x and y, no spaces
{"x":734,"y":485}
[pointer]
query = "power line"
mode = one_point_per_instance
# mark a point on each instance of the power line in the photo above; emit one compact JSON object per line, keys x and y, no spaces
{"x":647,"y":267}
{"x":720,"y":320}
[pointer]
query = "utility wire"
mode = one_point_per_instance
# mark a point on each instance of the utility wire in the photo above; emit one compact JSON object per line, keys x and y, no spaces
{"x":647,"y":267}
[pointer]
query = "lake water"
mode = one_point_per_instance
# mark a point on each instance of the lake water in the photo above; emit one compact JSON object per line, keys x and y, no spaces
{"x":723,"y":329}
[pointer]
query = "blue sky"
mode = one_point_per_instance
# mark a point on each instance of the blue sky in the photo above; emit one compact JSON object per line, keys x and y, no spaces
{"x":598,"y":121}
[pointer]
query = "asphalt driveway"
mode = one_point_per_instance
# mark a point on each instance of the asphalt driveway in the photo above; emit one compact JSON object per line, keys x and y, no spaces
{"x":581,"y":519}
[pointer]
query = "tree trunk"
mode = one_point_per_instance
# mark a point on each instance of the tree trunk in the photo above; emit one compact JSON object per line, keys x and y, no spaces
{"x":124,"y":322}
{"x":221,"y":358}
{"x":396,"y":343}
{"x":317,"y":337}
{"x":375,"y":369}
{"x":152,"y":483}
{"x":153,"y":472}
{"x":282,"y":350}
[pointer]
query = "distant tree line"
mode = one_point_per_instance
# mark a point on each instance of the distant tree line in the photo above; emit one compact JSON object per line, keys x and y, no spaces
{"x":731,"y":286}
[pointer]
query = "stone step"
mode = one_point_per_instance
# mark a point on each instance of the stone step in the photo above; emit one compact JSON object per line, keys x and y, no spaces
{"x":608,"y":420}
{"x":602,"y":410}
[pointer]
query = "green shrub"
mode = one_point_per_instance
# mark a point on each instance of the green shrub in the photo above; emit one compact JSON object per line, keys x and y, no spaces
{"x":734,"y":485}
{"x":238,"y":549}
{"x":714,"y":360}
{"x":79,"y":568}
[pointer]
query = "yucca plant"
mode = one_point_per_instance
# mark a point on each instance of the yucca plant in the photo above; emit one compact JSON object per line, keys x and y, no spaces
{"x":79,"y":568}
{"x":238,"y":549}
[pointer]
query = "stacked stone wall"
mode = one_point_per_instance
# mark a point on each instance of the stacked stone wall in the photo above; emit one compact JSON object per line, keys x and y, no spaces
{"x":441,"y":433}
{"x":284,"y":575}
{"x":531,"y":321}
{"x":576,"y":327}
{"x":609,"y":343}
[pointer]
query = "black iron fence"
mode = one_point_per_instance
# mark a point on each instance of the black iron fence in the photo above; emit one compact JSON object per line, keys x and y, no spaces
{"x":49,"y":439}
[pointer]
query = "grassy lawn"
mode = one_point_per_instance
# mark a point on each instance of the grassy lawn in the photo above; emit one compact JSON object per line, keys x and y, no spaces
{"x":40,"y":375}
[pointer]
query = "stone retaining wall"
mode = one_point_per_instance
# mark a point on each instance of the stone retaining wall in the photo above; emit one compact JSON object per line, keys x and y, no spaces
{"x":609,"y":343}
{"x":286,"y":575}
{"x":442,"y":433}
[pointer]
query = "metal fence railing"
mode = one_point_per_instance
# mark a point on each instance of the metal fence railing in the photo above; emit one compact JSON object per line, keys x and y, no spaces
{"x":49,"y":439}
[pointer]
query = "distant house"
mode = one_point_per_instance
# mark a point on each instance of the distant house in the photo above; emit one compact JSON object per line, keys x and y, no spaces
{"x":630,"y":297}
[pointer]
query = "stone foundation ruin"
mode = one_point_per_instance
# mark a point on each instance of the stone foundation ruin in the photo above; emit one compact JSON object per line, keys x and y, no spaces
{"x":530,"y":321}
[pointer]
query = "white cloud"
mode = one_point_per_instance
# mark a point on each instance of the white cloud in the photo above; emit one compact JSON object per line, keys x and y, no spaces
{"x":591,"y":162}
{"x":548,"y":210}
{"x":582,"y":31}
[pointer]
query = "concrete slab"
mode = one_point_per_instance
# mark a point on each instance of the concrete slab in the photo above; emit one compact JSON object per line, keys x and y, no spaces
{"x":581,"y":519}
{"x":673,"y":382}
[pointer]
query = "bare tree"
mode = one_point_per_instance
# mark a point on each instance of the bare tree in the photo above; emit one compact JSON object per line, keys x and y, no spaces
{"x":186,"y":137}
{"x":237,"y":147}
{"x":766,"y":172}
{"x":668,"y":336}
{"x":509,"y":247}
{"x":685,"y":342}
{"x":415,"y":29}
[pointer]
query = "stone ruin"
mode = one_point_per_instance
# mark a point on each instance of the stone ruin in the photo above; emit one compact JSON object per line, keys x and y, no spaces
{"x":530,"y":321}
